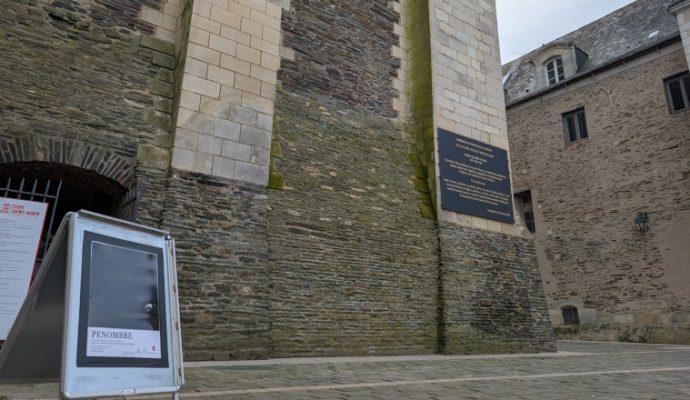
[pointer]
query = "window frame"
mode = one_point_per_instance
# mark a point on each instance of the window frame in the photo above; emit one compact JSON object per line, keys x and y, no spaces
{"x":525,"y":207}
{"x":529,"y":221}
{"x":684,"y":79}
{"x":579,"y":123}
{"x":573,"y":315}
{"x":558,"y":70}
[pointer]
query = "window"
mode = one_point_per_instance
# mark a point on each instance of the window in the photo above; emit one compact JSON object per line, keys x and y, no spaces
{"x":554,"y":70}
{"x":574,"y":125}
{"x":524,"y":202}
{"x":570,"y":315}
{"x":529,"y":221}
{"x":678,"y":92}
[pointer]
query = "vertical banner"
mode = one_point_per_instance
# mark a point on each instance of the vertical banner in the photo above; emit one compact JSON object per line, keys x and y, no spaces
{"x":21,"y":224}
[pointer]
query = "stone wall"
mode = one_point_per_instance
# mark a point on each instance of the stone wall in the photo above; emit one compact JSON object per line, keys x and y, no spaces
{"x":492,"y":298}
{"x":222,"y":251}
{"x":84,"y":86}
{"x":353,"y":264}
{"x":343,"y":49}
{"x":627,"y":284}
{"x":341,"y":260}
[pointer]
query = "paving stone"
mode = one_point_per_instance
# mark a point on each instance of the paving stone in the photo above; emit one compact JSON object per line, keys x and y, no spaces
{"x":586,"y":371}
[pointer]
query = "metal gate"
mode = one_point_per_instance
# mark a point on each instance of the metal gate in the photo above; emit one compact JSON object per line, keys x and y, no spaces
{"x":46,"y":190}
{"x":33,"y":189}
{"x":130,"y":204}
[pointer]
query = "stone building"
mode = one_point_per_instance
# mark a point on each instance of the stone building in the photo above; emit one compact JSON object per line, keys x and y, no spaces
{"x":290,"y":147}
{"x":598,"y":124}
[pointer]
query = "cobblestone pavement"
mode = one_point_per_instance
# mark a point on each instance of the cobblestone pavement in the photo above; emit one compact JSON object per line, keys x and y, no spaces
{"x":581,"y":370}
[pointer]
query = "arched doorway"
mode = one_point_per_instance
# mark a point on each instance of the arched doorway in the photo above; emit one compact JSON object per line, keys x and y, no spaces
{"x":65,"y":188}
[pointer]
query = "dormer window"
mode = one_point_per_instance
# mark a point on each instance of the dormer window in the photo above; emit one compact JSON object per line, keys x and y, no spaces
{"x":554,"y":70}
{"x":556,"y":62}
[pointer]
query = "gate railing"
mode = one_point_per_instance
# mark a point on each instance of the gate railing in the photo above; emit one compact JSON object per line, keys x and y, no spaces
{"x":33,"y":189}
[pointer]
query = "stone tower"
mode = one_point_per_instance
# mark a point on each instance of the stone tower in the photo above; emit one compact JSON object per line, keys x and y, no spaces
{"x":294,"y":149}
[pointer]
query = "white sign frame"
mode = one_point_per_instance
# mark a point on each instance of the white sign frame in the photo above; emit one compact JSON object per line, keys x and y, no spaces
{"x":88,"y":382}
{"x":32,"y":240}
{"x":43,"y":343}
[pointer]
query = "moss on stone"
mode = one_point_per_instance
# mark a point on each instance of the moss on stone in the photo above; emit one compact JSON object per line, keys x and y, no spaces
{"x":166,"y":75}
{"x":420,"y":172}
{"x":276,"y":180}
{"x":420,"y":129}
{"x":427,"y":211}
{"x":164,"y":105}
{"x":420,"y":185}
{"x":163,"y":60}
{"x":156,"y":44}
{"x":414,"y":160}
{"x":276,"y":149}
{"x":161,"y":88}
{"x":153,"y":156}
{"x":426,"y":198}
{"x":159,"y":120}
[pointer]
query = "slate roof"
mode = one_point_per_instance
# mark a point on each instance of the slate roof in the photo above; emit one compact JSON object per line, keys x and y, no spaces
{"x":620,"y":34}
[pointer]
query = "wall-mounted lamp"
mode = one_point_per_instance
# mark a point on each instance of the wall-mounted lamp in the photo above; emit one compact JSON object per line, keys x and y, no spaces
{"x":642,"y":221}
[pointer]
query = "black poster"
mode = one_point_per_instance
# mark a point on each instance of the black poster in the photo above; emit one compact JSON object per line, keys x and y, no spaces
{"x":475,"y":178}
{"x":122,"y":307}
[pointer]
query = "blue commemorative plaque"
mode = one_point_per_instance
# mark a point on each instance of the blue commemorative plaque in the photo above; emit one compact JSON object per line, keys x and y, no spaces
{"x":475,"y":178}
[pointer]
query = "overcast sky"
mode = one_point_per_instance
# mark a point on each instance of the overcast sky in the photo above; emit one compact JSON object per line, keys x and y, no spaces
{"x":524,"y":25}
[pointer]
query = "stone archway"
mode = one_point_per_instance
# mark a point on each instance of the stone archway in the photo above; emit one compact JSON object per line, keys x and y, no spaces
{"x":64,"y":188}
{"x":115,"y":165}
{"x":80,"y":188}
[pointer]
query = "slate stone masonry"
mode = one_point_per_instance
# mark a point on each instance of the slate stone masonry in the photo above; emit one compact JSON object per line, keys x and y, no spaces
{"x":491,"y":294}
{"x":222,"y":251}
{"x":627,"y":285}
{"x":339,"y":262}
{"x":85,"y":88}
{"x":343,"y":50}
{"x":353,"y":264}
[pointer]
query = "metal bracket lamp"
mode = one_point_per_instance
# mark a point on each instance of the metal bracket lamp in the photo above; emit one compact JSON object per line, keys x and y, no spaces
{"x":642,"y":221}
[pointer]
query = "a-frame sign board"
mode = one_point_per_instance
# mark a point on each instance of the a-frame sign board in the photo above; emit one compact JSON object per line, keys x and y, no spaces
{"x":102,"y":316}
